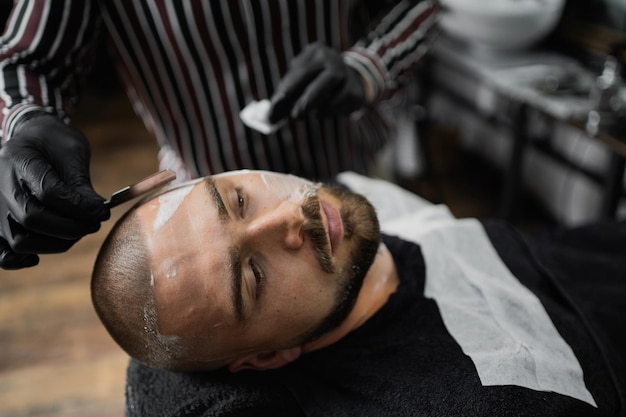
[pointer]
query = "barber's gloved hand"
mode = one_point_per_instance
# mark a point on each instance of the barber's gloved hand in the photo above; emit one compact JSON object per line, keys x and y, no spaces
{"x":47,"y":202}
{"x":318,"y":81}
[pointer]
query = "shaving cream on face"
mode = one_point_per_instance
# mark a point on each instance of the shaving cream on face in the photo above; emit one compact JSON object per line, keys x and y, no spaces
{"x":163,"y":208}
{"x":169,"y":203}
{"x":168,"y":269}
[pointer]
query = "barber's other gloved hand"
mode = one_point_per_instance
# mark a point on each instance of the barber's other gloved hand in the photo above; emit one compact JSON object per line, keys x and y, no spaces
{"x":319,"y":82}
{"x":47,"y":202}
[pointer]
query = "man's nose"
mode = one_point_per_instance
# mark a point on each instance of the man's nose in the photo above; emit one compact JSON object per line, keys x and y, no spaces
{"x":282,"y":225}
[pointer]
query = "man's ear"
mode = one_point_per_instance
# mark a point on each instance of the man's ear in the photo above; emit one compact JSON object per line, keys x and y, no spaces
{"x":266,"y":360}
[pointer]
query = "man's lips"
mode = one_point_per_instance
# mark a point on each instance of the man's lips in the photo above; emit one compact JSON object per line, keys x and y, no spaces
{"x":333,"y":223}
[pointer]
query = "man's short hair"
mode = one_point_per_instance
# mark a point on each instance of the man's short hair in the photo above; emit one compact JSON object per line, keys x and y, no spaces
{"x":123,"y":296}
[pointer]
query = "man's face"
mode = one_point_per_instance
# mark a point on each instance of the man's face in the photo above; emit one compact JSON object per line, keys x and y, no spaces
{"x":238,"y":264}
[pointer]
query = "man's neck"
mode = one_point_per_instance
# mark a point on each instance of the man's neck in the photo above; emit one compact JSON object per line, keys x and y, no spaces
{"x":380,"y":282}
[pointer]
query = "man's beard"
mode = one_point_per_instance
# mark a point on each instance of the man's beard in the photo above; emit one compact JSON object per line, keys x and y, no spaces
{"x":362,"y":230}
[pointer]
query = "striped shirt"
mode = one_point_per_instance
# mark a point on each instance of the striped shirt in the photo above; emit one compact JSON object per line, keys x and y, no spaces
{"x":190,"y":66}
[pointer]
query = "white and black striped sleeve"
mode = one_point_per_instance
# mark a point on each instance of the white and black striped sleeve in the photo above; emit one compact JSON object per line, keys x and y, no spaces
{"x":45,"y":48}
{"x":396,"y":44}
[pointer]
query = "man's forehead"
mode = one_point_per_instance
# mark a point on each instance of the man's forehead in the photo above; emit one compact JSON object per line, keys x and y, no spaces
{"x":242,"y":172}
{"x":231,"y":175}
{"x":261,"y":174}
{"x":181,"y":258}
{"x":237,"y":172}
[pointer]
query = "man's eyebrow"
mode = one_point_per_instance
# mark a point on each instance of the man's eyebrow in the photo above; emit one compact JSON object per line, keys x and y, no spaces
{"x":222,"y":213}
{"x":234,"y":267}
{"x":234,"y":259}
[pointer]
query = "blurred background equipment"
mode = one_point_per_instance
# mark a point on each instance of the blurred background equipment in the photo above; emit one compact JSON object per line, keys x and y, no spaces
{"x":501,"y":25}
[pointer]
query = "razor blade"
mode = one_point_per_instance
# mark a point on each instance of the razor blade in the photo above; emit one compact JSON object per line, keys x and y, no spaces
{"x":147,"y":185}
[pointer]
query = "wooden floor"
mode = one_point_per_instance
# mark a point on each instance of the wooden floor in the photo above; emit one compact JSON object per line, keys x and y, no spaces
{"x":55,"y":357}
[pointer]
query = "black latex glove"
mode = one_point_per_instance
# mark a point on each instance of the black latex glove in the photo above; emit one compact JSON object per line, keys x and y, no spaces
{"x":46,"y":199}
{"x":318,"y":82}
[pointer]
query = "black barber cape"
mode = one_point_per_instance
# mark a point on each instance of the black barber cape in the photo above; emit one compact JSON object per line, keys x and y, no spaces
{"x":404,"y":362}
